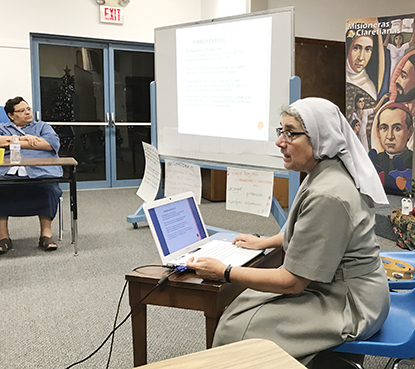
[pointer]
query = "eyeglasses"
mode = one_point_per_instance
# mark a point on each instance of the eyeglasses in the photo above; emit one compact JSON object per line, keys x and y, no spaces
{"x":23,"y":110}
{"x":288,"y":135}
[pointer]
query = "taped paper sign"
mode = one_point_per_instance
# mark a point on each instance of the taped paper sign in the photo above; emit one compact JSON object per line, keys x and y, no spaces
{"x":182,"y":177}
{"x":249,"y":191}
{"x":152,"y":174}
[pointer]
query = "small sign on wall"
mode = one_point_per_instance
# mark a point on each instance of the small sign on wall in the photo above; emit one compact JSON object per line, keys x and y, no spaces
{"x":111,"y":14}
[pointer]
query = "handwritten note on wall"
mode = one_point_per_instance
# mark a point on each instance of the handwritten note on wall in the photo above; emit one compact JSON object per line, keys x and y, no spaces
{"x":249,"y":191}
{"x":152,"y":174}
{"x":183,"y":177}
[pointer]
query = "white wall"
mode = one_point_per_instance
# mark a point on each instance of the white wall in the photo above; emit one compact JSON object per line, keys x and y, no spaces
{"x":224,"y":8}
{"x":326,"y":19}
{"x":75,"y":18}
{"x":321,"y":19}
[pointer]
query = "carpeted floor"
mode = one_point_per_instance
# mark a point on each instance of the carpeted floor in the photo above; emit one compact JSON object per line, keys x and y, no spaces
{"x":56,"y":308}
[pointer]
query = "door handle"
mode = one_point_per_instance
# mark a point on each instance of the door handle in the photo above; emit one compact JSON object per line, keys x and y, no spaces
{"x":110,"y":119}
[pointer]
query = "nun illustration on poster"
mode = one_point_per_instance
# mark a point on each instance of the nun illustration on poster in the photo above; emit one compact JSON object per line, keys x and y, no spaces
{"x":362,"y":62}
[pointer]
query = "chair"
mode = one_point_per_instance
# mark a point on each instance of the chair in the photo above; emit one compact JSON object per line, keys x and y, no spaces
{"x":60,"y":212}
{"x":396,"y":338}
{"x":3,"y":116}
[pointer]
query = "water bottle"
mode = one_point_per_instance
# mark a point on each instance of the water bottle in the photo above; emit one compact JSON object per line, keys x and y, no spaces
{"x":14,"y":150}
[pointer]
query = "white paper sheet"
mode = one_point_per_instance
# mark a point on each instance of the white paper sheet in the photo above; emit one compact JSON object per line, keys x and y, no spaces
{"x":182,"y":177}
{"x":152,"y":174}
{"x":249,"y":191}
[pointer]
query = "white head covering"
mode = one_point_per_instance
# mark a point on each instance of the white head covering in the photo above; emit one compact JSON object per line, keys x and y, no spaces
{"x":360,"y":79}
{"x":331,"y":135}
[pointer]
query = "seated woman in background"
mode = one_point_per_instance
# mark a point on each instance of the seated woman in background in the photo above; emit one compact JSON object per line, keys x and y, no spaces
{"x":37,"y":140}
{"x":332,"y":285}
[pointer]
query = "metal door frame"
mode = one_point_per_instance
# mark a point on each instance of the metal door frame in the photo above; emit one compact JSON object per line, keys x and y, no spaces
{"x":108,"y":47}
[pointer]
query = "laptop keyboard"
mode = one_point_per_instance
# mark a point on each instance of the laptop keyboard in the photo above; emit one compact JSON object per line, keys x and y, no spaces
{"x":224,"y":251}
{"x":218,"y":250}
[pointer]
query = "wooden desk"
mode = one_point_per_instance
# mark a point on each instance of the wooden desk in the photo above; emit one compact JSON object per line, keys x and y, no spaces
{"x":248,"y":354}
{"x":71,"y":163}
{"x":186,"y":291}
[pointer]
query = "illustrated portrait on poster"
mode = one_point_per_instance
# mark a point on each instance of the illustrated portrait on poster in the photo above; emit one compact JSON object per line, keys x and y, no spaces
{"x":391,"y":150}
{"x":380,"y":94}
{"x":402,"y":84}
{"x":361,"y":114}
{"x":362,"y":63}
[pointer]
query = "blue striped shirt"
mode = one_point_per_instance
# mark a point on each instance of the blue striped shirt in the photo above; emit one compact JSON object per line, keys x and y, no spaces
{"x":41,"y":130}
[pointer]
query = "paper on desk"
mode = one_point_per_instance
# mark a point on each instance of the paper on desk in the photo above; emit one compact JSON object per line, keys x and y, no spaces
{"x":151,"y":180}
{"x":182,"y":177}
{"x":249,"y":191}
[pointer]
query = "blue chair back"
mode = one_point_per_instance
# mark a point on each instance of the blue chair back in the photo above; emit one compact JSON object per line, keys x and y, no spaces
{"x":3,"y":116}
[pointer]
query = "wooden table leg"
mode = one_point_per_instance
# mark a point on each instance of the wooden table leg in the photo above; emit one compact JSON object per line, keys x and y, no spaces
{"x":139,"y":324}
{"x":211,"y":324}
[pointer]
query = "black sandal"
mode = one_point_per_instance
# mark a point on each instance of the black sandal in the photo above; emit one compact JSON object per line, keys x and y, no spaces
{"x":47,"y":243}
{"x":5,"y":245}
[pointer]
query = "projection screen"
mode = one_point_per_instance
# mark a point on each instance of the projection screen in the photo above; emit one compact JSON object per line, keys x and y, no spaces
{"x":220,"y":85}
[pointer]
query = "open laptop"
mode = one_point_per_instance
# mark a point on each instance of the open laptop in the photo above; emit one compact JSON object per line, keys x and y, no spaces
{"x":180,"y":233}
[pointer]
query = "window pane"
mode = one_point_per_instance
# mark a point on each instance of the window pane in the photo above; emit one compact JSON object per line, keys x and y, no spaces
{"x":71,"y":84}
{"x":87,"y":145}
{"x":130,"y":155}
{"x":134,"y":71}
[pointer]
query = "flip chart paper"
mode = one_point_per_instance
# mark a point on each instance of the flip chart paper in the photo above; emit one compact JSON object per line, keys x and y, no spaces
{"x":182,"y":177}
{"x":249,"y":191}
{"x":152,"y":174}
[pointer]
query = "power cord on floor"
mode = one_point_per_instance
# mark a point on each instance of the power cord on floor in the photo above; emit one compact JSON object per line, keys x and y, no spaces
{"x":115,"y":326}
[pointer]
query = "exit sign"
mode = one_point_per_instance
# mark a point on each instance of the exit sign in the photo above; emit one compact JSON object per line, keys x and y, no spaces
{"x":111,"y":14}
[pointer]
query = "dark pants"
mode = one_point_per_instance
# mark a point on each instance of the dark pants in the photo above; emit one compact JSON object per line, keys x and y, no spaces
{"x":20,"y":200}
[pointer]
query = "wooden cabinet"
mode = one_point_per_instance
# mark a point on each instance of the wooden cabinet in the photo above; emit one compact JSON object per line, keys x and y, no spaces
{"x":321,"y":66}
{"x":214,"y":184}
{"x":281,"y":191}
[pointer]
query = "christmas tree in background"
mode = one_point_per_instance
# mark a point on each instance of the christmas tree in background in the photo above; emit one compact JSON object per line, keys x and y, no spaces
{"x":61,"y":110}
{"x":63,"y":107}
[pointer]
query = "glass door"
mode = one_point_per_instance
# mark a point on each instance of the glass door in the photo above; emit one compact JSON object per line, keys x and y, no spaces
{"x":133,"y":71}
{"x":96,"y":96}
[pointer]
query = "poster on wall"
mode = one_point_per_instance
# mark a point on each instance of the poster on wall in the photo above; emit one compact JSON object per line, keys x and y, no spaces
{"x":380,"y":94}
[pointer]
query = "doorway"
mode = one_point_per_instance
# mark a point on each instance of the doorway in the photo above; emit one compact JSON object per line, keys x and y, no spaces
{"x":96,"y":95}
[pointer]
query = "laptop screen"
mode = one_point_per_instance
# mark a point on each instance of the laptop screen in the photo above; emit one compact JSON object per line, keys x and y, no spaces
{"x":177,"y":224}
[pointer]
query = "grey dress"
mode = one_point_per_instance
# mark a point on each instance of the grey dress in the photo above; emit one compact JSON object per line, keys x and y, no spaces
{"x":330,"y":240}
